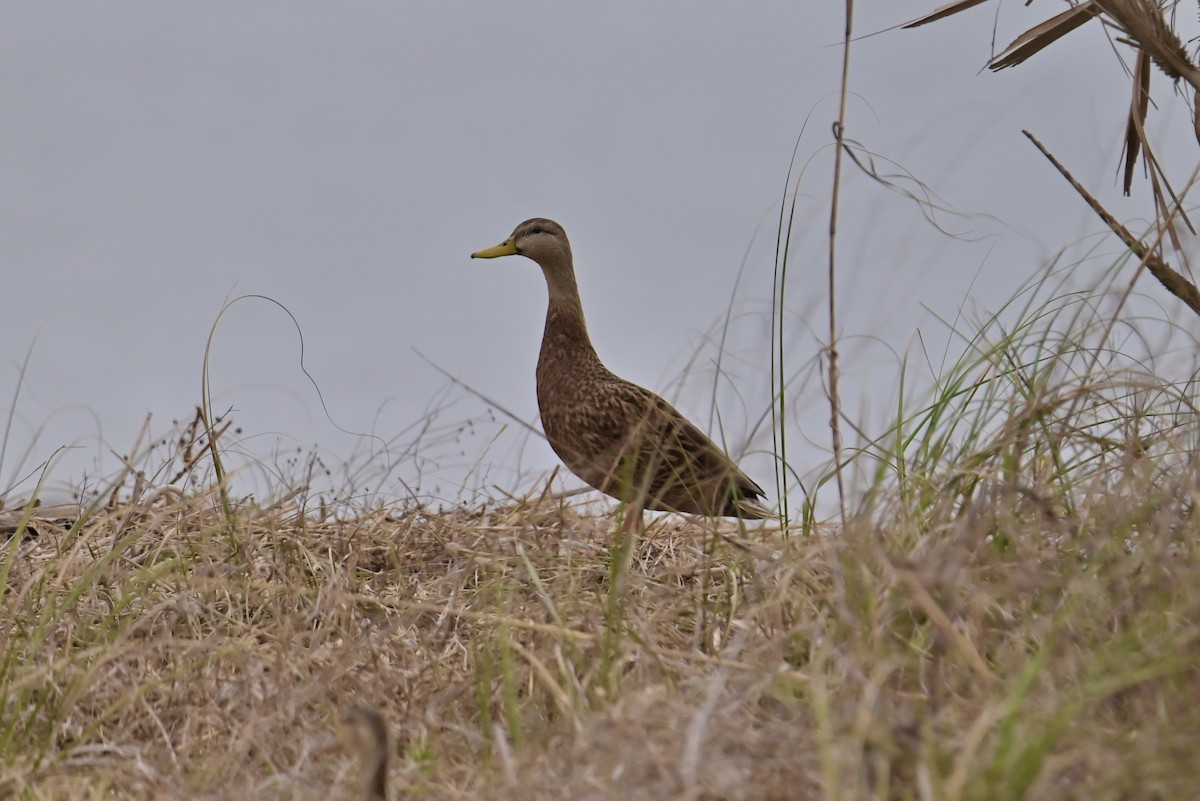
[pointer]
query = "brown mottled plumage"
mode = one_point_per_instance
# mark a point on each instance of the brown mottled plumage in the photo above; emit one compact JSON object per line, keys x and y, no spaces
{"x":621,"y":439}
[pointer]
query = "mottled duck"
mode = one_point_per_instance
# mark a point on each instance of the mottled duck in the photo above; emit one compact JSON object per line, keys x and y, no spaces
{"x":618,"y":437}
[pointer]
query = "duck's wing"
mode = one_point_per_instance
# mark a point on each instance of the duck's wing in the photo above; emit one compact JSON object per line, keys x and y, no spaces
{"x":669,"y":463}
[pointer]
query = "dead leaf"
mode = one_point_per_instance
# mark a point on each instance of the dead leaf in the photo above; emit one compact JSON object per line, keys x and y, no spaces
{"x":945,"y":11}
{"x":1137,"y":115}
{"x":1044,"y":34}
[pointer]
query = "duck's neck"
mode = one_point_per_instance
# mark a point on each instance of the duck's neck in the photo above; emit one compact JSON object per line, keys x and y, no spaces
{"x":566,"y":346}
{"x":560,"y":280}
{"x":566,"y":332}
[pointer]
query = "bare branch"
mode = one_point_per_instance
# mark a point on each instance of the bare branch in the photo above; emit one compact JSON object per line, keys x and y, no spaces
{"x":1174,"y":283}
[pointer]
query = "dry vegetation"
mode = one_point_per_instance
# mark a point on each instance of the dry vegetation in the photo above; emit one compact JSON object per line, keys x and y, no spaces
{"x":1144,"y":37}
{"x":1012,"y":611}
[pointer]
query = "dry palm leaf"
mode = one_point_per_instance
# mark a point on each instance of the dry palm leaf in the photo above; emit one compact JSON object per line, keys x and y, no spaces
{"x":1196,"y":116}
{"x":1044,"y":34}
{"x":1165,"y":199}
{"x":1144,"y":23}
{"x":1134,"y":139}
{"x":945,"y":11}
{"x":1141,"y":20}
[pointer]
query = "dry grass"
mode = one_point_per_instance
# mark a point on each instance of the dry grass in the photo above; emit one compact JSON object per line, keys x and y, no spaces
{"x":991,"y":648}
{"x":1011,"y":611}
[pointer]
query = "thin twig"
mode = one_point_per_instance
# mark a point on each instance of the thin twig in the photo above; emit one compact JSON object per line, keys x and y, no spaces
{"x":1174,"y":282}
{"x":840,"y":134}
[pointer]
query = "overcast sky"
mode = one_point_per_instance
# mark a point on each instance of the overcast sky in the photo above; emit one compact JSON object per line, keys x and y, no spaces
{"x":345,"y":159}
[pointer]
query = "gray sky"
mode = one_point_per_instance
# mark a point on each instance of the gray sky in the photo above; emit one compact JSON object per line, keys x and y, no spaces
{"x":345,"y":159}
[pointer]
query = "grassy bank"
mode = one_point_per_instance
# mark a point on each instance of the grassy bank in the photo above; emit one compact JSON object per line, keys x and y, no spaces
{"x":1012,"y":610}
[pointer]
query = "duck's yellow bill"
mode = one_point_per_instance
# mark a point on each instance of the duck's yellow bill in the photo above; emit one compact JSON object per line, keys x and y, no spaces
{"x":506,"y":248}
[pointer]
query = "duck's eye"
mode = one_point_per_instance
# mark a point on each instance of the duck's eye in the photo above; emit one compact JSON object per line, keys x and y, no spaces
{"x":537,"y":229}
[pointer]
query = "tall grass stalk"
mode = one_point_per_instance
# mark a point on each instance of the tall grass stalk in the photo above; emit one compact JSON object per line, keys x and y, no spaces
{"x":835,"y":412}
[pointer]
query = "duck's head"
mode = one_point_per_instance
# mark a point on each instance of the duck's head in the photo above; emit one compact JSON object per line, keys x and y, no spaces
{"x":539,"y":239}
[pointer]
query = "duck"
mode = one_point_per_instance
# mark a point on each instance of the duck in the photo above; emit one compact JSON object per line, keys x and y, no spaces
{"x":618,"y":437}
